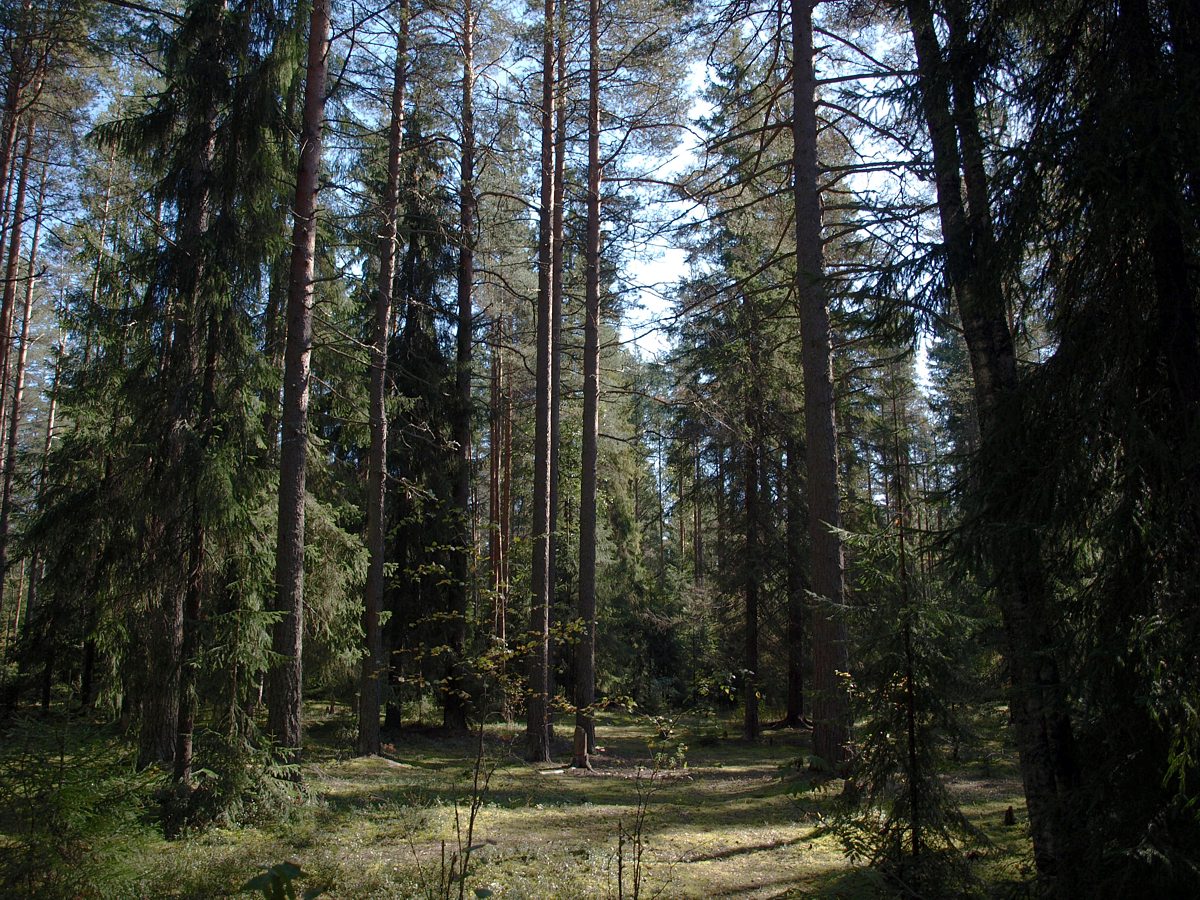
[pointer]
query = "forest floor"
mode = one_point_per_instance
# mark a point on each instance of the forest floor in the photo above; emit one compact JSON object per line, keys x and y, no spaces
{"x":740,"y":820}
{"x":722,"y":818}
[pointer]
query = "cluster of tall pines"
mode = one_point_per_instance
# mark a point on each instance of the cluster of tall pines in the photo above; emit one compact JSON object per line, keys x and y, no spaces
{"x":320,"y":378}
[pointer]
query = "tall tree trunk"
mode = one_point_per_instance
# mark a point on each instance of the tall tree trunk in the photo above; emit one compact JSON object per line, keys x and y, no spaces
{"x":501,"y":458}
{"x":697,"y":519}
{"x":179,"y":362}
{"x":454,"y":708}
{"x":35,"y":562}
{"x":916,"y":810}
{"x":286,"y":689}
{"x":585,"y":659}
{"x":796,"y":587}
{"x":495,"y":456}
{"x":10,"y":458}
{"x":506,"y":460}
{"x":374,"y":665}
{"x":1038,"y":702}
{"x":15,"y":105}
{"x":11,"y":278}
{"x":195,"y":576}
{"x":537,"y":733}
{"x":556,"y":295}
{"x":274,"y":326}
{"x":753,"y":559}
{"x":719,"y":503}
{"x":830,"y":706}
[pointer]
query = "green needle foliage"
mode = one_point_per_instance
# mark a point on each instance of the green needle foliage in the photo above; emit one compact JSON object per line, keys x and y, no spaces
{"x":913,"y":668}
{"x":74,"y":804}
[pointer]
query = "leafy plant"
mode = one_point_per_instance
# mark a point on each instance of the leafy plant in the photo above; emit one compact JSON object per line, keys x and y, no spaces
{"x":279,"y":883}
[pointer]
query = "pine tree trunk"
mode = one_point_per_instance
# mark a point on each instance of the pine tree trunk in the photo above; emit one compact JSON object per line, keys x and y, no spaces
{"x":16,"y":104}
{"x":454,"y":710}
{"x":286,"y":690}
{"x":697,"y":520}
{"x":556,"y":307}
{"x":537,"y":733}
{"x":495,"y":456}
{"x":11,"y":279}
{"x":752,"y":562}
{"x":506,"y":461}
{"x":374,"y":665}
{"x":10,"y":458}
{"x":796,"y":587}
{"x":830,"y":706}
{"x":585,"y":659}
{"x":35,"y":562}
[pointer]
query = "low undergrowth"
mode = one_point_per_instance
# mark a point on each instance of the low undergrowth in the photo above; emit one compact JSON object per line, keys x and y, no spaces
{"x":715,"y":816}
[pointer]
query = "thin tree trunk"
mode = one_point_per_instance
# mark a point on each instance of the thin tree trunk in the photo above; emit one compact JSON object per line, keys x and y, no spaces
{"x":35,"y":562}
{"x":286,"y":689}
{"x":697,"y":519}
{"x":751,"y":563}
{"x":916,"y":809}
{"x":374,"y":665}
{"x":495,"y":455}
{"x":112,"y":159}
{"x":556,"y":299}
{"x":11,"y":634}
{"x":722,"y":556}
{"x":585,"y":671}
{"x":659,"y":477}
{"x":830,"y":707}
{"x":537,"y":732}
{"x":796,"y":587}
{"x":454,"y":709}
{"x":506,"y":460}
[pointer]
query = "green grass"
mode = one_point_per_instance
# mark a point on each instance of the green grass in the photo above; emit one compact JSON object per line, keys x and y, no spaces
{"x":741,"y":820}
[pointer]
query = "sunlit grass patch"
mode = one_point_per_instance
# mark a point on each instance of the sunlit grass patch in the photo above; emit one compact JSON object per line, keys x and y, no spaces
{"x":727,"y":819}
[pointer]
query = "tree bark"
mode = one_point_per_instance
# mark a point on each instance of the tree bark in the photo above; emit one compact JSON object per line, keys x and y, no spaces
{"x":374,"y":665}
{"x":454,"y":710}
{"x":830,"y":704}
{"x":796,"y":587}
{"x":537,"y":734}
{"x":10,"y":459}
{"x":183,"y":319}
{"x":1038,"y":702}
{"x":752,"y":561}
{"x":495,"y":457}
{"x":556,"y":306}
{"x":286,"y":690}
{"x":506,"y":460}
{"x":195,"y":578}
{"x":585,"y":659}
{"x":11,"y":278}
{"x":15,"y":105}
{"x":697,"y":519}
